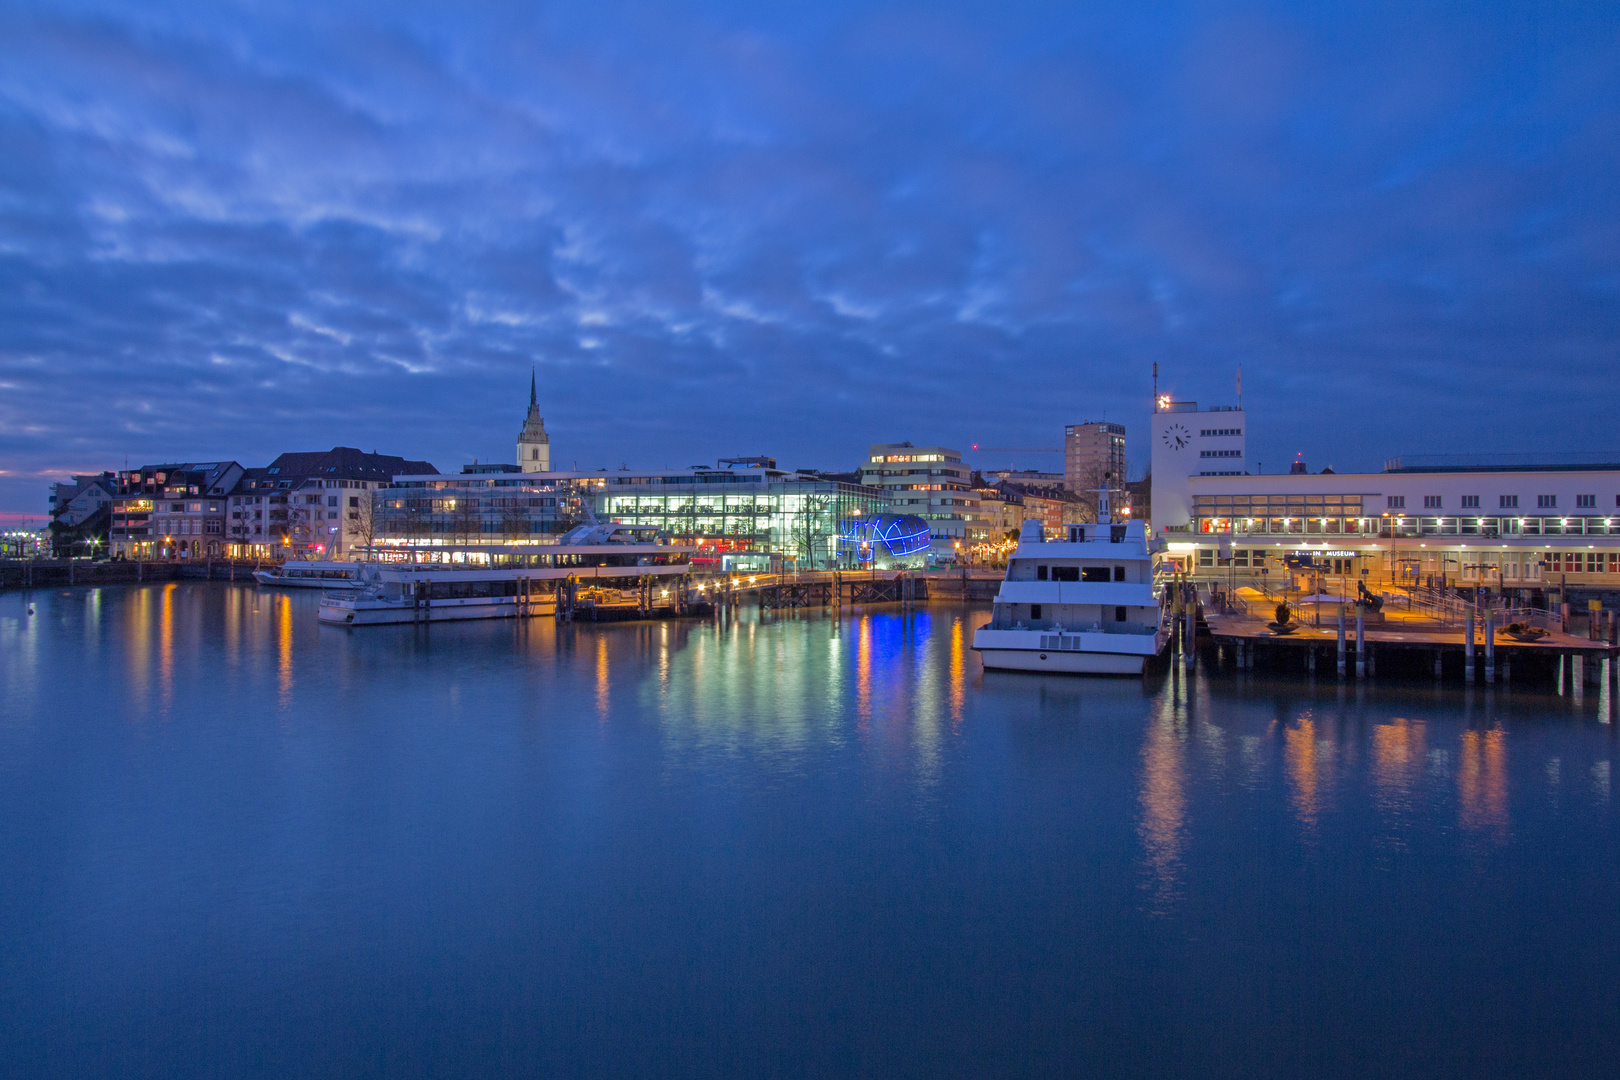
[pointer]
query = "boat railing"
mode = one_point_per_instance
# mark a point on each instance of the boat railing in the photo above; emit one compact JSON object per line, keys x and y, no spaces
{"x":1054,"y":626}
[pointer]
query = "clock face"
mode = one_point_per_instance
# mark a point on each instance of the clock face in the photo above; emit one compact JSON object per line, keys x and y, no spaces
{"x":1177,"y":437}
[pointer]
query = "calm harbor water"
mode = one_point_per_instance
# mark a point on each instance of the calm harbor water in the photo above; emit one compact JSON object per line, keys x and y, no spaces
{"x":239,"y":844}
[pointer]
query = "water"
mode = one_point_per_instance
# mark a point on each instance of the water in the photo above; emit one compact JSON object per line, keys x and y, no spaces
{"x":239,"y":844}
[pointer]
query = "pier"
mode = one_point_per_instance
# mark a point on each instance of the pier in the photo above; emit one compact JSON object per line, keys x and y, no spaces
{"x":1348,"y":641}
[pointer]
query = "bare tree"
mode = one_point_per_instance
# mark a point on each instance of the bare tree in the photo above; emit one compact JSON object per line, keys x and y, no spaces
{"x":464,"y":520}
{"x":362,"y":523}
{"x":514,"y":519}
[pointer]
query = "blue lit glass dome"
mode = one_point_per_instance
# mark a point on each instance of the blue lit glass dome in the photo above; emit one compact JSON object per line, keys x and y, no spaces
{"x":897,"y":534}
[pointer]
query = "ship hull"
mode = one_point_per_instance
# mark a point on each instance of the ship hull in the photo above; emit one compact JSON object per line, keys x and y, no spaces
{"x":344,"y":612}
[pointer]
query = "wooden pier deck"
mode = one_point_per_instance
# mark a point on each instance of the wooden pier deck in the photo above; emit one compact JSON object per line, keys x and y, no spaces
{"x":1405,"y":642}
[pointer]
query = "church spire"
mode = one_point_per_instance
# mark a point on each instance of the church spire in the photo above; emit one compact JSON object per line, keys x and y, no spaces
{"x":533,"y":444}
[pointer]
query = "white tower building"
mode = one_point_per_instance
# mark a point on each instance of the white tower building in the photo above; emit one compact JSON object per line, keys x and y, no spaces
{"x":534,"y":445}
{"x":1189,"y":441}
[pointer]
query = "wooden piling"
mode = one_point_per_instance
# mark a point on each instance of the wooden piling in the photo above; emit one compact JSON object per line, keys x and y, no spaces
{"x":1468,"y":649}
{"x":1341,"y":641}
{"x":1361,"y":643}
{"x":1490,"y":647}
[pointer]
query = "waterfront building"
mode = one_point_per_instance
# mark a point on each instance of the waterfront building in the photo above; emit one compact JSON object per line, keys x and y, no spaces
{"x":1001,"y":510}
{"x":81,"y":514}
{"x":480,"y":507}
{"x":1092,"y":453}
{"x":533,"y":444}
{"x":744,"y":514}
{"x":171,"y":511}
{"x":1050,"y":504}
{"x":315,"y":504}
{"x":932,"y":483}
{"x":21,"y":544}
{"x":1524,"y":524}
{"x":755,"y":517}
{"x":1189,"y":441}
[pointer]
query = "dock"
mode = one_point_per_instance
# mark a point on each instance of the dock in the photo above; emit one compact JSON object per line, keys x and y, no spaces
{"x":1352,"y":643}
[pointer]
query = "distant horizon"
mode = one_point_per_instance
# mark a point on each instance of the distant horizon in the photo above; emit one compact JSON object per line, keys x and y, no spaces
{"x":713,"y":230}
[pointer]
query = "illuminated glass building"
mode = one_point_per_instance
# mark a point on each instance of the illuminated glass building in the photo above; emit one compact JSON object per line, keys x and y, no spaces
{"x":741,"y":518}
{"x":744,"y":518}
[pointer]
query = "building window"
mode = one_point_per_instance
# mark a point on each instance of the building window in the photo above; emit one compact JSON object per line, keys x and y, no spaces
{"x":1397,"y":502}
{"x":1586,"y":502}
{"x":354,"y":501}
{"x":1546,"y":502}
{"x":1432,"y":502}
{"x":1470,"y":502}
{"x":1220,"y":453}
{"x":1508,"y":502}
{"x":1216,"y":432}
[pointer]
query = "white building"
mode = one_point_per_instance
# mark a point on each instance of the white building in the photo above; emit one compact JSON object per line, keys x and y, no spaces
{"x":1189,"y":441}
{"x":1517,"y":523}
{"x":932,"y":483}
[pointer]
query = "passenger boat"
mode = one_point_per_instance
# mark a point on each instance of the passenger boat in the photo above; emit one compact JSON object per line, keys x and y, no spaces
{"x":311,"y":575}
{"x":609,"y":556}
{"x":1083,"y":605}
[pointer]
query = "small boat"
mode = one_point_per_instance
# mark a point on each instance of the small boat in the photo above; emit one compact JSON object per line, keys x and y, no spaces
{"x":594,"y":557}
{"x":1084,"y":605}
{"x":311,"y":575}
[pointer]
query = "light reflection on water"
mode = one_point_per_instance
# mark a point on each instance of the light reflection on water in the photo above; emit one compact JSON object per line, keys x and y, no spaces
{"x":743,"y":832}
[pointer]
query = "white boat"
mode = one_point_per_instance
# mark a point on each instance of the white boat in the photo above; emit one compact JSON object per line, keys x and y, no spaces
{"x":311,"y":575}
{"x":1083,"y":605}
{"x":605,"y":557}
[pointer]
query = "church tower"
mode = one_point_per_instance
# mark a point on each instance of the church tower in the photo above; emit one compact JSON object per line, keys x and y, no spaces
{"x":534,"y":445}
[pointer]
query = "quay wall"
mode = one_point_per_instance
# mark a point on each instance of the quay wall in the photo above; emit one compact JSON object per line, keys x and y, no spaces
{"x":59,"y":573}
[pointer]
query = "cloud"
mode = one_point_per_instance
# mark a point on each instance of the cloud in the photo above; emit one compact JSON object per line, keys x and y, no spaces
{"x":233,"y":231}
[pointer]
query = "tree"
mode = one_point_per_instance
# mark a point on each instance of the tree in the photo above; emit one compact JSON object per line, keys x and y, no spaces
{"x":362,"y":524}
{"x":514,"y":519}
{"x":464,"y":520}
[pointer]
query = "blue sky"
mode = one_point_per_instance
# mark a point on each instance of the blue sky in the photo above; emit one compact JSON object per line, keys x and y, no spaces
{"x":229,"y":230}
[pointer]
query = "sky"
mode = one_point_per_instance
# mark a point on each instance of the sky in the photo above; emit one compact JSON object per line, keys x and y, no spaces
{"x":229,"y":230}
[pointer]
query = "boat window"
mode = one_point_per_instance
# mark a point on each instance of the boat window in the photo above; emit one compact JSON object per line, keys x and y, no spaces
{"x":1096,"y":573}
{"x":1035,"y":609}
{"x":1119,"y":573}
{"x":1040,"y":575}
{"x":1119,"y":614}
{"x":1065,"y":573}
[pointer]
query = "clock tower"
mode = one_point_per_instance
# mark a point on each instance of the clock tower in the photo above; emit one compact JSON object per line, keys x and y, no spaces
{"x":1187,"y":442}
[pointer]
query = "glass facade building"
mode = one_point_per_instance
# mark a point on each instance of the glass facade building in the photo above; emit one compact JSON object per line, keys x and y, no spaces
{"x":741,"y":519}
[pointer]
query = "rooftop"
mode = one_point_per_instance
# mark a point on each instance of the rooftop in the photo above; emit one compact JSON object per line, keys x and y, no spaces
{"x":1456,"y":463}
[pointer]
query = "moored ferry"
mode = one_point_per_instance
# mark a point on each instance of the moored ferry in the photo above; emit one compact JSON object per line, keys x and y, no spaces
{"x":1082,"y":605}
{"x":609,"y":556}
{"x":311,"y":575}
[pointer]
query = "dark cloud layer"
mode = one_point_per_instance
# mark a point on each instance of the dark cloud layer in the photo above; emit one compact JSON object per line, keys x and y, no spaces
{"x":228,"y":231}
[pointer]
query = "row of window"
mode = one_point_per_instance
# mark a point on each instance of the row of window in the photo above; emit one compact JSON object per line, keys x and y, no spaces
{"x":1503,"y":502}
{"x":1215,"y":432}
{"x":1415,"y":526}
{"x":1220,"y":453}
{"x":1582,"y":562}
